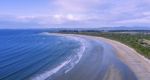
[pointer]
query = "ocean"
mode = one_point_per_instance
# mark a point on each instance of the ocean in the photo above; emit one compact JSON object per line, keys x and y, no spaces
{"x":36,"y":55}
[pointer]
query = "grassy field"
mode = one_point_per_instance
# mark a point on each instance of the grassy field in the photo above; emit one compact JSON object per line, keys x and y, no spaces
{"x":138,"y":40}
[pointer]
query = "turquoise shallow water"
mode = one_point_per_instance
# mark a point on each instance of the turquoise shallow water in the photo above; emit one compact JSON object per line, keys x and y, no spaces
{"x":26,"y":54}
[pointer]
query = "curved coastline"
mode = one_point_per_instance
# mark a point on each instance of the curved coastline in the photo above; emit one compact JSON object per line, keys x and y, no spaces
{"x":136,"y":62}
{"x":67,"y":65}
{"x":99,"y":63}
{"x":137,"y":65}
{"x":102,"y":59}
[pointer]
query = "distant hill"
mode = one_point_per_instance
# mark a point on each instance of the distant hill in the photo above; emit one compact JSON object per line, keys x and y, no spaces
{"x":124,"y":28}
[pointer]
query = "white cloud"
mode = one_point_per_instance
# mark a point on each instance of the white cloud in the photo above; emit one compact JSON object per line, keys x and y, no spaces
{"x":75,"y":6}
{"x":101,"y":11}
{"x":93,"y":12}
{"x":138,"y":20}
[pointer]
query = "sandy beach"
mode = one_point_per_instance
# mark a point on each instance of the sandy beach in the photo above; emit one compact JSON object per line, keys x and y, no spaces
{"x":136,"y":62}
{"x":70,"y":57}
{"x":106,"y":59}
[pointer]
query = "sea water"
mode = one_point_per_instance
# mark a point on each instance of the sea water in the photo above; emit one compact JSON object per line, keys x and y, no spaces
{"x":32,"y":55}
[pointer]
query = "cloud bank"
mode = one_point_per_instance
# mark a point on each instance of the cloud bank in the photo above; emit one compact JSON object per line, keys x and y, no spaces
{"x":86,"y":13}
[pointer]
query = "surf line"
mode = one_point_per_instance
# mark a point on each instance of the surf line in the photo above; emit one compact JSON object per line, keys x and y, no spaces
{"x":68,"y":63}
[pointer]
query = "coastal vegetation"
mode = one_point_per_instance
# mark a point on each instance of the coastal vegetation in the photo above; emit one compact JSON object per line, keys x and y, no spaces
{"x":140,"y":41}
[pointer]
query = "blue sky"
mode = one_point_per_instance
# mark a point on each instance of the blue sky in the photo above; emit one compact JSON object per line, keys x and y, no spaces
{"x":73,"y":13}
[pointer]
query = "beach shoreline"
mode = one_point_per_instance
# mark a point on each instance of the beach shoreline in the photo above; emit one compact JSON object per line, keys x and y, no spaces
{"x":104,"y":59}
{"x":104,"y":63}
{"x":138,"y":63}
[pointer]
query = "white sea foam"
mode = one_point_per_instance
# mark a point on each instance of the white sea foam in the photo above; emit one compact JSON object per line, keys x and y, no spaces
{"x":69,"y":64}
{"x":47,"y":74}
{"x":44,"y":33}
{"x":80,"y":51}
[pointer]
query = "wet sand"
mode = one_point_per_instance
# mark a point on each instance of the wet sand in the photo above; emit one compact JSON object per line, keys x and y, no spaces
{"x":106,"y":59}
{"x":136,"y":62}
